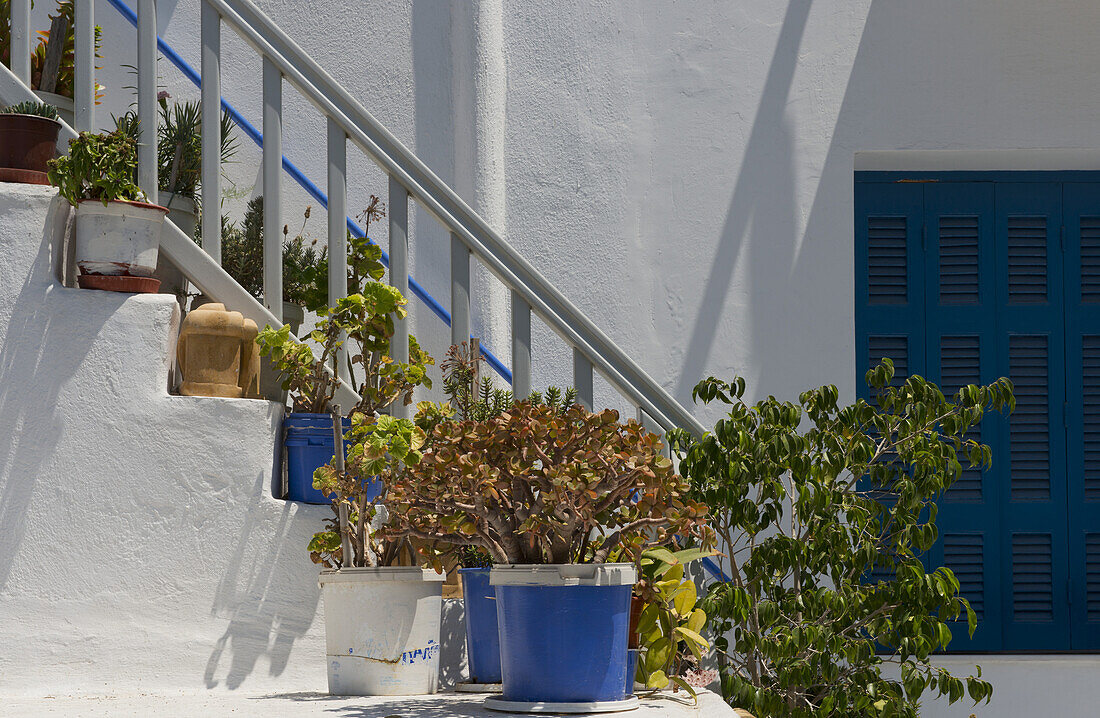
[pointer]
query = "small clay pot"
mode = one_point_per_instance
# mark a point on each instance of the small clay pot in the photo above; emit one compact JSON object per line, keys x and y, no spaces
{"x":27,"y":143}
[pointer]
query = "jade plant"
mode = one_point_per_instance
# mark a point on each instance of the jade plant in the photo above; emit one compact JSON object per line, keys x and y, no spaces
{"x":539,"y":485}
{"x":37,"y":109}
{"x":98,"y":167}
{"x":827,"y":511}
{"x":671,"y":624}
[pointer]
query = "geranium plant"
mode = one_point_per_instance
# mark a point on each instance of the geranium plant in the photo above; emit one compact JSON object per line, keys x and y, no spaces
{"x":827,"y":510}
{"x":538,"y":485}
{"x":99,"y":167}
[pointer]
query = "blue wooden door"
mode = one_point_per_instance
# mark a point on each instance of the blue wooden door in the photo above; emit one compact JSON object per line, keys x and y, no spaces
{"x":1082,"y":301}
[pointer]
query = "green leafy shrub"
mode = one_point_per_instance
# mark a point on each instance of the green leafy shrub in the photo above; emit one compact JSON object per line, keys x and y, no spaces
{"x":38,"y":109}
{"x":100,"y":167}
{"x":826,"y":510}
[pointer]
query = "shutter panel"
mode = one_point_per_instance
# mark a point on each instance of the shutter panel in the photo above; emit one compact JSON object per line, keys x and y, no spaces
{"x":1029,"y":453}
{"x":960,"y":336}
{"x":889,"y":287}
{"x":1082,"y":408}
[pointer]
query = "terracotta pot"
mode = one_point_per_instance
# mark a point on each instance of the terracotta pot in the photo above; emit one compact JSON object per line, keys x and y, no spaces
{"x":27,"y":143}
{"x":637,"y":605}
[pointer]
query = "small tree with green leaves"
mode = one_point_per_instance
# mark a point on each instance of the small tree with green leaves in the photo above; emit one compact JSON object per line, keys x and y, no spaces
{"x":825,"y":511}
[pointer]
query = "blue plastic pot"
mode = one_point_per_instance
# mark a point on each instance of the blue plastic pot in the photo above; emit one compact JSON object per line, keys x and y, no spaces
{"x":307,"y":446}
{"x":563,"y":632}
{"x":482,"y":637}
{"x":631,"y":669}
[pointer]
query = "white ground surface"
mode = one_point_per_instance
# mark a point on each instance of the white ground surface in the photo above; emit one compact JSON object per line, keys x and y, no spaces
{"x":275,"y":705}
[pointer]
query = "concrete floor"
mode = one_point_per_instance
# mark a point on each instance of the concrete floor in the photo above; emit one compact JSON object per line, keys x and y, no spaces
{"x":306,"y":704}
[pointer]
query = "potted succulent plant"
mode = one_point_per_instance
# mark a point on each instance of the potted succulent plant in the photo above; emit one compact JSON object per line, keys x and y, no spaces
{"x":117,"y":235}
{"x":472,"y":396}
{"x":367,"y":320}
{"x":28,"y":140}
{"x":551,"y":494}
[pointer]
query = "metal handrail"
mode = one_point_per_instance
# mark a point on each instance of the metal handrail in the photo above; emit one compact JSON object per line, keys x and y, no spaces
{"x":526,"y":282}
{"x":471,"y":236}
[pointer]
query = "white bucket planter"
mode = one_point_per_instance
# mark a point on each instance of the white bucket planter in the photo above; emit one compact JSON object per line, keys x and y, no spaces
{"x":382,"y":630}
{"x":119,"y":238}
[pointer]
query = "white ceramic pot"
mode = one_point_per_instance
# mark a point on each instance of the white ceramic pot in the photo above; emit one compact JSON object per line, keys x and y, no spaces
{"x":118,"y":238}
{"x":382,"y":630}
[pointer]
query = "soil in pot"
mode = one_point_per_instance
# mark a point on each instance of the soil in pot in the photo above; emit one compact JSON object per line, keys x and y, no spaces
{"x":27,"y":143}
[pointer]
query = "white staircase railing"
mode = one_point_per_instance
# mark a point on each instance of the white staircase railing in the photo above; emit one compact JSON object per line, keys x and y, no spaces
{"x":409,"y":178}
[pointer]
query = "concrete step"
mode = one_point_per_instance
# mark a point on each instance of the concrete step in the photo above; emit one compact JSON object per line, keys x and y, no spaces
{"x":140,"y":547}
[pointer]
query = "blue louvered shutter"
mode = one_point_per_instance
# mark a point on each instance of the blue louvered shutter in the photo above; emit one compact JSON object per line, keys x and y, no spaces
{"x":1082,"y":410}
{"x":1029,"y":459}
{"x":889,"y":287}
{"x":961,"y":340}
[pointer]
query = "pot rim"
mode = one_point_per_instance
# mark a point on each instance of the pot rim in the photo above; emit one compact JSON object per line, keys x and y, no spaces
{"x":36,"y":117}
{"x":135,"y":203}
{"x":367,"y":574}
{"x":563,"y":574}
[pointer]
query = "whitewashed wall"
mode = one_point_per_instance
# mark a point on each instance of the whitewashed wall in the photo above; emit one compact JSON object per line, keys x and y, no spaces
{"x":681,"y":170}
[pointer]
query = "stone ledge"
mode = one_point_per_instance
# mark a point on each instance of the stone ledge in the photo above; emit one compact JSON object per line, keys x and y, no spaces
{"x":305,"y":704}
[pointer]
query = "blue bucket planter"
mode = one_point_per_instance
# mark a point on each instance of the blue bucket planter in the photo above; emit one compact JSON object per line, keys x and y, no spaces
{"x":482,"y":637}
{"x":563,"y":637}
{"x":307,"y":446}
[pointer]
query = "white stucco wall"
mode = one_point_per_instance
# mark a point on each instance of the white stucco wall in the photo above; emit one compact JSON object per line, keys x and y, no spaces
{"x":682,"y":171}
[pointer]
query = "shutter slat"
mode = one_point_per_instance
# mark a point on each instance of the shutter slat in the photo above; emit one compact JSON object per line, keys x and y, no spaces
{"x":1029,"y":433}
{"x":887,"y":260}
{"x":1032,"y":578}
{"x":958,"y":260}
{"x":963,"y":554}
{"x":1027,"y":260}
{"x":1090,"y":260}
{"x":960,"y":365}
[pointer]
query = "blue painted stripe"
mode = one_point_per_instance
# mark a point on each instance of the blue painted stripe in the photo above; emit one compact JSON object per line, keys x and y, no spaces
{"x":715,"y":570}
{"x":312,"y":189}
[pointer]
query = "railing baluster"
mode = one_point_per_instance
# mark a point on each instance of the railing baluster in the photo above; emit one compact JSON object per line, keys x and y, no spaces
{"x":399,"y":274}
{"x":460,"y":291}
{"x":84,"y":61}
{"x":147,"y":97}
{"x":654,"y":427}
{"x":337,"y":224}
{"x":273,"y":177}
{"x":21,"y":40}
{"x":582,"y":378}
{"x":521,"y":347}
{"x":211,"y":131}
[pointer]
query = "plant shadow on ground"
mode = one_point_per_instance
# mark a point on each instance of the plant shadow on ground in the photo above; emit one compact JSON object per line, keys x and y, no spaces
{"x":396,"y":707}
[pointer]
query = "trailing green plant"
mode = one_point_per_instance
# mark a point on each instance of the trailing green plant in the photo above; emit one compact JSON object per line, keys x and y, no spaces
{"x":38,"y":109}
{"x":99,"y":167}
{"x":364,"y":261}
{"x":381,"y":445}
{"x":474,"y":557}
{"x":538,"y":485}
{"x":367,"y":320}
{"x":671,"y":624}
{"x":826,"y":511}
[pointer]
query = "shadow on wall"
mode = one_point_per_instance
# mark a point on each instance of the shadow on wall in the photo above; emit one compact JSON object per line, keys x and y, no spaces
{"x":763,"y":201}
{"x":35,"y":360}
{"x":452,"y":638}
{"x":262,"y":593}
